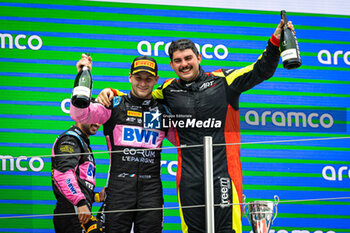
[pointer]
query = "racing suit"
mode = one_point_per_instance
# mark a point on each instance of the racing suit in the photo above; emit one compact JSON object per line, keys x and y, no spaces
{"x":134,"y":176}
{"x":73,"y":178}
{"x":212,"y":99}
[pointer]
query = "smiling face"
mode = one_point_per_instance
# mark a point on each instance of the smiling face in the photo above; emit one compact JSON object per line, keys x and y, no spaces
{"x":142,"y":84}
{"x":185,"y":63}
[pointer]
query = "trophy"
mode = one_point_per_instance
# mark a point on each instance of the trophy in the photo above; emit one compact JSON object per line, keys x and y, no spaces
{"x":260,"y":213}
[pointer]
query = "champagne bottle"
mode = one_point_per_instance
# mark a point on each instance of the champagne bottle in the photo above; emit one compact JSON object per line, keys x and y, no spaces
{"x":289,"y":46}
{"x":81,"y":94}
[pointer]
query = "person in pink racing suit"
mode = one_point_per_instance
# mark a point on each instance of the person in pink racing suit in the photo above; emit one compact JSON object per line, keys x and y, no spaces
{"x":73,"y":179}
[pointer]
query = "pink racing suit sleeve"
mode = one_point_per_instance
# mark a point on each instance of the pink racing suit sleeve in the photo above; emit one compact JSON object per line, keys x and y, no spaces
{"x":68,"y":186}
{"x":95,"y":113}
{"x":64,"y":168}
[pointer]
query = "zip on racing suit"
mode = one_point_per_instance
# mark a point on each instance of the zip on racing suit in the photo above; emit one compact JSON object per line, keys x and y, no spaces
{"x":73,"y":178}
{"x":134,"y":176}
{"x":213,"y":99}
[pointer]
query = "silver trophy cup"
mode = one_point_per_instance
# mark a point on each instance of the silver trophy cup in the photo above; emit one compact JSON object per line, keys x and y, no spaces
{"x":260,"y":213}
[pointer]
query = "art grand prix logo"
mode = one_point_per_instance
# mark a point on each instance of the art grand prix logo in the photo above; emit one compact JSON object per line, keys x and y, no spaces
{"x":152,"y":120}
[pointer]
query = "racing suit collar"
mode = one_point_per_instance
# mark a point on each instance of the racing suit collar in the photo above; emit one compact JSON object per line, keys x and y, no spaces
{"x":81,"y":134}
{"x":139,"y":101}
{"x":192,"y":84}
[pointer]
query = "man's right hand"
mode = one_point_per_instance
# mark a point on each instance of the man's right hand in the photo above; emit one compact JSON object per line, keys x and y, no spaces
{"x":105,"y":97}
{"x":84,"y":61}
{"x":84,"y":214}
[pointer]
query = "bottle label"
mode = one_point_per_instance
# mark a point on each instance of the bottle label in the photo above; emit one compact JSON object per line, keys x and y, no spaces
{"x":81,"y":90}
{"x":289,"y":54}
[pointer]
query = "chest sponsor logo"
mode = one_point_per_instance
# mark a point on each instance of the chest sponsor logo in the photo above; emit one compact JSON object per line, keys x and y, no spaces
{"x":134,"y":114}
{"x":178,"y":90}
{"x":140,"y":135}
{"x":206,"y":85}
{"x":130,"y":119}
{"x":146,"y":102}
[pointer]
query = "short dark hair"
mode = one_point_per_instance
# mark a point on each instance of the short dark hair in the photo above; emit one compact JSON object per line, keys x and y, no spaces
{"x":182,"y":44}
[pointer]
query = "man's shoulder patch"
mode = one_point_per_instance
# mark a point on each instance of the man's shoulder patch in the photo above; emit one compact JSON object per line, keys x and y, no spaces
{"x":66,"y":149}
{"x":116,"y":101}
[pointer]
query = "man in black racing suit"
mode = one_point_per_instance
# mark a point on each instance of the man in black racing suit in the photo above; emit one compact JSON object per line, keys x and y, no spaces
{"x":73,"y":179}
{"x":132,"y":127}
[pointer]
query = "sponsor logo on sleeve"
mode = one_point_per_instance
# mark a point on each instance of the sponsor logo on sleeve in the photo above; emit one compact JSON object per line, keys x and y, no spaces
{"x":134,"y":114}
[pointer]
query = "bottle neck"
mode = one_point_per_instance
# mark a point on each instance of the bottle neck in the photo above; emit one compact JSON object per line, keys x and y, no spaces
{"x":285,"y":20}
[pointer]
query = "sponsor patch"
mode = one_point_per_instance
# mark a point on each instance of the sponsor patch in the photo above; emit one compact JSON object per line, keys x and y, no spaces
{"x":66,"y":149}
{"x":70,"y":186}
{"x":116,"y":101}
{"x":134,"y":114}
{"x":145,"y":63}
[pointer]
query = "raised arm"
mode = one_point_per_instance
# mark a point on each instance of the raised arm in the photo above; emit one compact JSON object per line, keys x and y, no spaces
{"x":95,"y":113}
{"x":247,"y":77}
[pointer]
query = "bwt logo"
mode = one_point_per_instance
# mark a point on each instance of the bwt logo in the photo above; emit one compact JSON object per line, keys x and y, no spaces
{"x":12,"y":161}
{"x":145,"y":48}
{"x":20,"y":41}
{"x":70,"y":186}
{"x":140,"y":135}
{"x":151,"y":120}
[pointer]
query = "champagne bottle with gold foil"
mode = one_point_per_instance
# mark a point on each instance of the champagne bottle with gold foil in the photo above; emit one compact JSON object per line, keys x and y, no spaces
{"x":289,"y":47}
